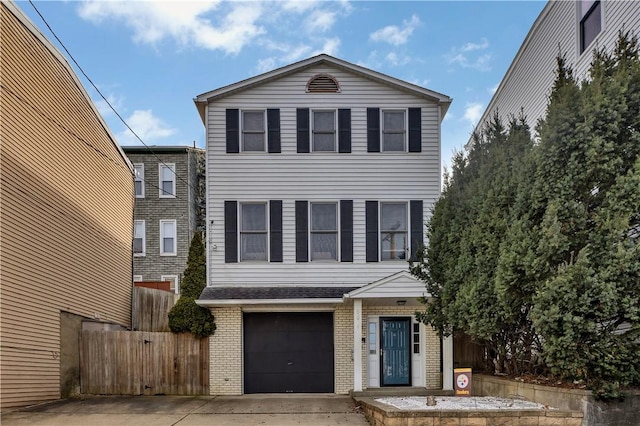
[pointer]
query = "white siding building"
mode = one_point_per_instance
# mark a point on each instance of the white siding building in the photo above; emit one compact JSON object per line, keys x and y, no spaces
{"x":320,"y":177}
{"x":570,"y":28}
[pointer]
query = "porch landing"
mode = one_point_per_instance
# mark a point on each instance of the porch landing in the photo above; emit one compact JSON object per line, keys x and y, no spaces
{"x":400,"y":391}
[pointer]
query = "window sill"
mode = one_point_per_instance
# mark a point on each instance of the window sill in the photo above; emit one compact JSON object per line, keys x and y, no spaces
{"x":168,"y":254}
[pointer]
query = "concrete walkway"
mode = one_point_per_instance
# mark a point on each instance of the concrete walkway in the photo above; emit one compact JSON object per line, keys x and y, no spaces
{"x":281,"y":410}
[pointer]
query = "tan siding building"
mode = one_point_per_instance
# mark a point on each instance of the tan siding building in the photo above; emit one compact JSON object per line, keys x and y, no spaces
{"x":572,"y":28}
{"x":66,"y":207}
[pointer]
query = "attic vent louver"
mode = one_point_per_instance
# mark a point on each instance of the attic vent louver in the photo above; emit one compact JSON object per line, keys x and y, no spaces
{"x":323,"y":83}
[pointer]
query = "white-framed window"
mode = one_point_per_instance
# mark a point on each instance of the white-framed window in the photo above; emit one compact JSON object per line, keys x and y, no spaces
{"x":323,"y":124}
{"x":253,"y":231}
{"x":137,"y":278}
{"x":393,"y":231}
{"x":324,"y":231}
{"x":139,"y":238}
{"x":253,"y":131}
{"x":167,"y":180}
{"x":139,"y":180}
{"x":174,"y":282}
{"x":168,"y":240}
{"x":394,"y":130}
{"x":590,"y":22}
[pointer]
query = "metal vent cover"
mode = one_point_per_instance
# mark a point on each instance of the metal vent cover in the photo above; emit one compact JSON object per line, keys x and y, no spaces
{"x":323,"y":83}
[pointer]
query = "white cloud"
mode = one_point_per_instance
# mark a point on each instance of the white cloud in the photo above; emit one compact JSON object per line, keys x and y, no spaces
{"x":331,"y":47}
{"x":266,"y":64}
{"x":103,"y":107}
{"x":320,"y":21}
{"x":473,"y":112}
{"x":184,"y":22}
{"x":394,"y":59}
{"x":468,"y":56}
{"x":147,"y":126}
{"x":395,"y":35}
{"x":469,"y":47}
{"x":493,"y":89}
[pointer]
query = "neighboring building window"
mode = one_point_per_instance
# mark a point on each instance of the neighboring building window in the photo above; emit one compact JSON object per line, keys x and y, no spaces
{"x":173,"y":280}
{"x":167,"y":180}
{"x":137,"y":278}
{"x":253,"y":131}
{"x":139,"y":180}
{"x":393,"y":130}
{"x":393,"y":231}
{"x":590,"y":22}
{"x":324,"y":131}
{"x":324,"y":231}
{"x":139,"y":238}
{"x":168,"y":241}
{"x":253,"y":231}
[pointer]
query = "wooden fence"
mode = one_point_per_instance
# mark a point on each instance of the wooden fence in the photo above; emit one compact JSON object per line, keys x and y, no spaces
{"x":150,"y":309}
{"x":143,"y":363}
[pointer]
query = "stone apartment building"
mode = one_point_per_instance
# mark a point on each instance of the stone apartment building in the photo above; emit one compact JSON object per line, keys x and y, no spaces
{"x":167,"y":210}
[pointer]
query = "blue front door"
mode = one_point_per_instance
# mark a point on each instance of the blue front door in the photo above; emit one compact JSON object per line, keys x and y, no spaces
{"x":395,"y":365}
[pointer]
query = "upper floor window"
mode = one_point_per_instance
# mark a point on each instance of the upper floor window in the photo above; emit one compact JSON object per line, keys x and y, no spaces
{"x":324,"y":231}
{"x":139,"y":180}
{"x":590,"y":22}
{"x":167,"y":180}
{"x":393,"y":231}
{"x":253,"y":131}
{"x":168,"y":240}
{"x":137,"y":278}
{"x":253,"y":231}
{"x":324,"y":131}
{"x":393,"y":130}
{"x":139,"y":238}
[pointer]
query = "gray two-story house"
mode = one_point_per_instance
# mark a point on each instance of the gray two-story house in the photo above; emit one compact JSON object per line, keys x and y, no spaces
{"x":168,"y":205}
{"x":320,"y":177}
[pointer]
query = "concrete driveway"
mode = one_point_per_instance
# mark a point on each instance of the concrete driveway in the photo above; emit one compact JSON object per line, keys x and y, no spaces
{"x":281,"y":410}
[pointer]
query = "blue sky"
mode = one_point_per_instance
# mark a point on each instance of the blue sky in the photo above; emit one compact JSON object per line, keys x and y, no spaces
{"x":151,"y":58}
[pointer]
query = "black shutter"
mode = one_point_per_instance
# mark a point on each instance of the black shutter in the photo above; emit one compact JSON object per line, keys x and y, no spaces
{"x":373,"y":129}
{"x":344,"y":130}
{"x":275,"y":230}
{"x":346,"y":230}
{"x":233,"y":130}
{"x":230,"y":231}
{"x":302,"y":124}
{"x":302,"y":231}
{"x":415,"y":130}
{"x":371,"y":213}
{"x":417,"y":227}
{"x":273,"y":130}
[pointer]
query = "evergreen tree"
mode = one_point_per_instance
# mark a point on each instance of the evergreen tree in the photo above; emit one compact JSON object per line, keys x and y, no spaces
{"x":186,"y":316}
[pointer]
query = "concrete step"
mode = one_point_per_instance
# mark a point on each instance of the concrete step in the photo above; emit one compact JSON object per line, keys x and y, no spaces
{"x":401,"y":391}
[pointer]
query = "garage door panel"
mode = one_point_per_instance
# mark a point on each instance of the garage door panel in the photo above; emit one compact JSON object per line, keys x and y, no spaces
{"x":288,"y":352}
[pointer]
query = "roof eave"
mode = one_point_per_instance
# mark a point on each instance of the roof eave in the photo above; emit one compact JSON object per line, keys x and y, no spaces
{"x":209,"y":303}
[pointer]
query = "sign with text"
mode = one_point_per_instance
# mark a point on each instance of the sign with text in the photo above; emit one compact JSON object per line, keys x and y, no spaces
{"x":462,"y":381}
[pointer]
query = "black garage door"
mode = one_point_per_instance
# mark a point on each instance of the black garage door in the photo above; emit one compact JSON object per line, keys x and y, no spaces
{"x":288,"y":352}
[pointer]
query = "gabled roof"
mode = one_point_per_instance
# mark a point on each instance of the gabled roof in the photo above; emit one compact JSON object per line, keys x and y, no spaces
{"x":202,"y":100}
{"x":400,"y":284}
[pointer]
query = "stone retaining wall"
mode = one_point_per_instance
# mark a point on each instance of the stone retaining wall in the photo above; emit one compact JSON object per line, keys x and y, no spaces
{"x":383,"y":415}
{"x":596,"y":413}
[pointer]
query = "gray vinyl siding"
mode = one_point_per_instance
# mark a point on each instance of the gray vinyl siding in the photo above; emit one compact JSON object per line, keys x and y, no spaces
{"x":290,"y":176}
{"x":527,"y":84}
